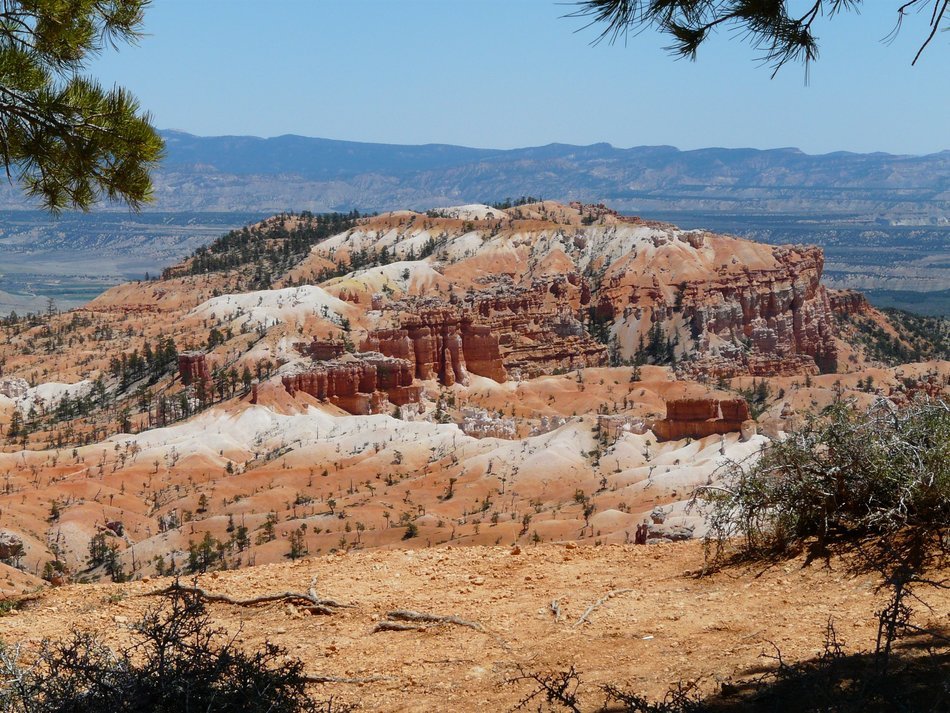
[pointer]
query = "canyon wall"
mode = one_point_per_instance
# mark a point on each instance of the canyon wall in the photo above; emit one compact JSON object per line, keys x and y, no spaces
{"x":776,"y":321}
{"x":768,"y":321}
{"x":550,"y":296}
{"x":778,"y":315}
{"x":539,"y":326}
{"x":848,"y":302}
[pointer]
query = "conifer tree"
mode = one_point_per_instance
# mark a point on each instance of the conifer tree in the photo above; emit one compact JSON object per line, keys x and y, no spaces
{"x":67,"y":140}
{"x":781,"y":30}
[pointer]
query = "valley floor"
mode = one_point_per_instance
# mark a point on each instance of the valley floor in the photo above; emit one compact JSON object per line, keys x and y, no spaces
{"x":670,"y":626}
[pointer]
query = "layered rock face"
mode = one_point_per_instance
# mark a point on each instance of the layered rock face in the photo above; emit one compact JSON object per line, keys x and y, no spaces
{"x":698,"y":418}
{"x":765,"y":322}
{"x":537,"y":326}
{"x":325,"y":349}
{"x":548,"y":287}
{"x":497,"y":332}
{"x":359,"y":384}
{"x":480,"y":346}
{"x":782,"y":313}
{"x":848,"y":302}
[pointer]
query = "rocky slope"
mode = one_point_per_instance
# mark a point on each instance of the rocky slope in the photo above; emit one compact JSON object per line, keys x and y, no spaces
{"x":542,"y":280}
{"x":465,"y":376}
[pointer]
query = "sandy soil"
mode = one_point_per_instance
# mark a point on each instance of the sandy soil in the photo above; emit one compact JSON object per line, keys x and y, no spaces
{"x":669,"y":626}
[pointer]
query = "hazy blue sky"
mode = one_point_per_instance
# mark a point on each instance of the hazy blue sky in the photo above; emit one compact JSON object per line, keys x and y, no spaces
{"x":507,"y":73}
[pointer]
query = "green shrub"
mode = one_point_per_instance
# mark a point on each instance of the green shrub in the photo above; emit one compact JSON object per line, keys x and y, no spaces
{"x":883,"y":473}
{"x":412,"y":530}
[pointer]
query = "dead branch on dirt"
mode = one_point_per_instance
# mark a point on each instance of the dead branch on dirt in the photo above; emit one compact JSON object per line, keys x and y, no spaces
{"x":387,"y":625}
{"x":603,"y":600}
{"x":343,"y":679}
{"x":312,"y":591}
{"x":395,"y":620}
{"x":309,"y":601}
{"x":556,"y":609}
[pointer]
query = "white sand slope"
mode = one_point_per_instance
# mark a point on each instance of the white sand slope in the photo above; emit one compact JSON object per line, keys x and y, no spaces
{"x":472,"y":211}
{"x":549,"y":468}
{"x":267,"y":307}
{"x":405,"y":277}
{"x":45,"y":396}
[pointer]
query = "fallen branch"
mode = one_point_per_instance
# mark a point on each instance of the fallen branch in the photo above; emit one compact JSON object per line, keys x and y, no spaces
{"x":418,"y":620}
{"x":409,"y":615}
{"x":387,"y":625}
{"x":326,"y":602}
{"x":309,"y":601}
{"x":556,"y":609}
{"x":603,"y":600}
{"x":342,"y":679}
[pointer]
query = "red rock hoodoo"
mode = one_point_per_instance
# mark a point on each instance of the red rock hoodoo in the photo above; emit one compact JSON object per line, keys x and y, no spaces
{"x":193,"y":367}
{"x":431,"y":340}
{"x":360,"y":384}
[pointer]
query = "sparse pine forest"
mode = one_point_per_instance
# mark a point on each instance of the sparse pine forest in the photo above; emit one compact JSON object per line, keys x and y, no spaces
{"x":915,"y":337}
{"x":268,"y":248}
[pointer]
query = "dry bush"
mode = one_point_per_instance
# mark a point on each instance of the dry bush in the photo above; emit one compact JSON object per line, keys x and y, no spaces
{"x":176,"y":662}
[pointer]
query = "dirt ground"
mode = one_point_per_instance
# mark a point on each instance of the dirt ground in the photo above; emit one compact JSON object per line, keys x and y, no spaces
{"x":669,"y":625}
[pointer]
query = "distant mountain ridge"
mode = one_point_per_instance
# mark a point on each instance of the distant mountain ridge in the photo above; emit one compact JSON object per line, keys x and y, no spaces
{"x":310,"y":158}
{"x":229,"y":173}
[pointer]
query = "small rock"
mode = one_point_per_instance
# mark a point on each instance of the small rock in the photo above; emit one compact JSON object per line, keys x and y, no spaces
{"x":120,"y":619}
{"x":516,"y":550}
{"x":570,"y":545}
{"x":116,"y":527}
{"x":748,"y":430}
